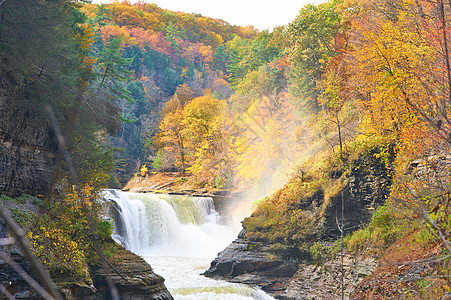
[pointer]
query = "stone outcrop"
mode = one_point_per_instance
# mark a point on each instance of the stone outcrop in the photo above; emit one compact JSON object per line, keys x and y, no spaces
{"x":287,"y":274}
{"x":13,"y":282}
{"x":368,"y":187}
{"x":130,"y":274}
{"x":255,"y":263}
{"x":324,"y":282}
{"x":134,"y":278}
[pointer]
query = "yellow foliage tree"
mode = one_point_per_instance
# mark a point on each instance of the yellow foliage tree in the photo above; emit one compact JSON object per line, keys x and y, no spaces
{"x":207,"y":131}
{"x":172,"y":138}
{"x":198,"y":135}
{"x":395,"y":66}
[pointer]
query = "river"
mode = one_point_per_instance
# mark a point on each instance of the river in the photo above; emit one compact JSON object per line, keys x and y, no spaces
{"x":178,"y":236}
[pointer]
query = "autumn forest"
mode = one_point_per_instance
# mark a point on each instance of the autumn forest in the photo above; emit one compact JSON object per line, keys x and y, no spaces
{"x":129,"y":90}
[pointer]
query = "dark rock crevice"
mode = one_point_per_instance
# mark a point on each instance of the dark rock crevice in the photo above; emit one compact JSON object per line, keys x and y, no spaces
{"x":368,"y":187}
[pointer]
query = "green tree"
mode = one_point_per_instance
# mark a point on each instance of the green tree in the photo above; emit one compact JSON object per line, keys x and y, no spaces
{"x":312,"y":40}
{"x":220,"y":59}
{"x":113,"y":70}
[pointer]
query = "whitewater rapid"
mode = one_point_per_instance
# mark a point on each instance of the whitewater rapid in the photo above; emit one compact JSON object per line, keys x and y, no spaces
{"x":178,"y":236}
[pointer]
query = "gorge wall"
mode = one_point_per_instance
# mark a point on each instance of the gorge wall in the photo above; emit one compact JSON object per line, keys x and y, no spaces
{"x":27,"y":146}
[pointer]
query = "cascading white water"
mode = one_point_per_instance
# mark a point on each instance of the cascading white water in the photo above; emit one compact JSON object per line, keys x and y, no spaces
{"x":178,"y":236}
{"x":169,"y":224}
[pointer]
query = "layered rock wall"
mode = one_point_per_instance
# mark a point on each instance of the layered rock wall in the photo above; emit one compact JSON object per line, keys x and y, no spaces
{"x":255,"y":263}
{"x":368,"y":187}
{"x":27,"y":146}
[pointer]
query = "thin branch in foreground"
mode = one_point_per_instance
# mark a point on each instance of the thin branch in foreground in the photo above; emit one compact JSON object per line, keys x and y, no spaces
{"x":5,"y":292}
{"x":67,"y":157}
{"x":62,"y":144}
{"x":19,"y":270}
{"x":22,"y":242}
{"x":426,"y":216}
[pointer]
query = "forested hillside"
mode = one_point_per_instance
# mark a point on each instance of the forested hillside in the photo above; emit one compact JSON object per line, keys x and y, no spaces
{"x":147,"y":56}
{"x":345,"y":83}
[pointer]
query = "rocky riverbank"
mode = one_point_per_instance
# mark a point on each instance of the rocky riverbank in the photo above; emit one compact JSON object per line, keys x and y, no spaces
{"x":134,"y":279}
{"x":255,"y":263}
{"x":132,"y":276}
{"x":286,"y":273}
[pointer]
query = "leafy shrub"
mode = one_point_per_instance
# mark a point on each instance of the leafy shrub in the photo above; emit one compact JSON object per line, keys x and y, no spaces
{"x":320,"y":253}
{"x":383,"y":230}
{"x":63,"y":234}
{"x":143,"y":171}
{"x":59,"y":251}
{"x":104,"y":229}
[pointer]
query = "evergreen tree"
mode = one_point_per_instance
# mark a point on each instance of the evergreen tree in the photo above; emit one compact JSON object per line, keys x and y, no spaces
{"x":113,"y":70}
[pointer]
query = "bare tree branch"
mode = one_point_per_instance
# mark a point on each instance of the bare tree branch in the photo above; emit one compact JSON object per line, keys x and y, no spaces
{"x":425,"y":214}
{"x":22,"y":242}
{"x":6,"y":293}
{"x":33,"y":283}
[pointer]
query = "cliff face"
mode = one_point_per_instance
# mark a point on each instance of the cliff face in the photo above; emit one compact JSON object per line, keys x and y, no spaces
{"x":255,"y":263}
{"x":368,"y":186}
{"x":135,"y":278}
{"x":27,"y":147}
{"x":286,"y":273}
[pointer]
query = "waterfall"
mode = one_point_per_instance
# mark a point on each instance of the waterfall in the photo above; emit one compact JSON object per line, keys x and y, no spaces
{"x":178,"y":236}
{"x":168,"y":225}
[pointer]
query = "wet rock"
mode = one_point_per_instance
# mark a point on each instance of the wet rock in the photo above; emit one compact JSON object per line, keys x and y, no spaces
{"x":286,"y":273}
{"x":135,"y":278}
{"x":254,"y":263}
